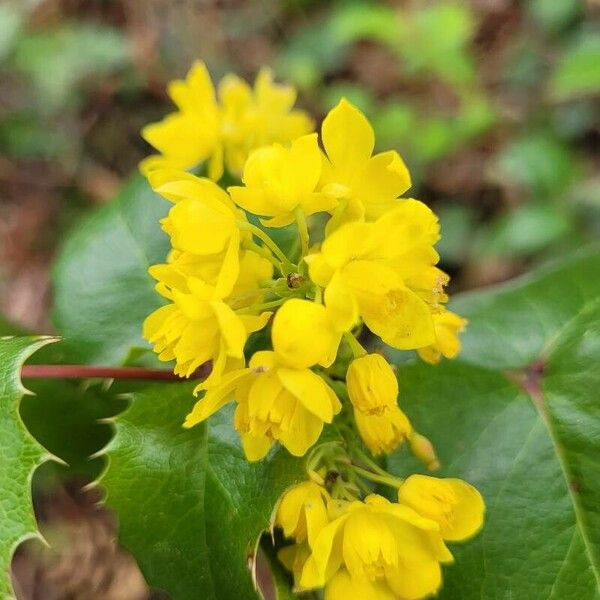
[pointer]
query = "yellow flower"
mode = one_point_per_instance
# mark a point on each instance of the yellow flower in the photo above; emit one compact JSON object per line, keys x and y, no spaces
{"x":372,"y":384}
{"x":278,"y":181}
{"x":380,"y":545}
{"x":275,"y":402}
{"x":302,"y":511}
{"x":193,"y":133}
{"x":226,"y":129}
{"x":204,"y":221}
{"x":383,"y":432}
{"x":253,"y":272}
{"x":365,"y":186}
{"x":447,"y":327}
{"x":304,"y":335}
{"x":198,"y":326}
{"x":379,"y":269}
{"x":454,"y":504}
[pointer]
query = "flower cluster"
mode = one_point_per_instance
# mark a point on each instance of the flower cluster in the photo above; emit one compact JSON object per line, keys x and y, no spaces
{"x":224,"y":126}
{"x":376,"y":549}
{"x":317,"y":249}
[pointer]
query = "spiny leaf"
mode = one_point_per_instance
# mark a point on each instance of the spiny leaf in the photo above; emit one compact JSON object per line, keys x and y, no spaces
{"x":20,"y":453}
{"x":191,"y":508}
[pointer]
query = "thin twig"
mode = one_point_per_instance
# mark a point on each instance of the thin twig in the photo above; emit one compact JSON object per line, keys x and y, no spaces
{"x":90,"y":372}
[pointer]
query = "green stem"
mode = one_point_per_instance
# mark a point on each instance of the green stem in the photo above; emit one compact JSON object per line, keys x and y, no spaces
{"x":370,"y":463}
{"x":269,"y":243}
{"x":318,"y":295}
{"x":387,"y":479}
{"x":258,"y":307}
{"x":264,"y":252}
{"x":355,"y":345}
{"x":302,"y":229}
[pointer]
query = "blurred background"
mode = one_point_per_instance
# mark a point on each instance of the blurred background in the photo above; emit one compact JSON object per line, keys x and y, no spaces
{"x":492,"y":103}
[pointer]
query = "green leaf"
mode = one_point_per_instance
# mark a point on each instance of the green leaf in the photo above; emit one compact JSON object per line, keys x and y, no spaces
{"x":11,"y":20}
{"x":56,"y":61}
{"x":571,"y":379}
{"x":537,"y":163}
{"x":511,"y":325}
{"x":68,"y":419}
{"x":434,"y":38}
{"x":191,"y":508}
{"x":525,"y":230}
{"x":488,"y":431}
{"x":554,"y":15}
{"x":528,"y":438}
{"x":20,"y":453}
{"x":102,"y":291}
{"x":577,"y":73}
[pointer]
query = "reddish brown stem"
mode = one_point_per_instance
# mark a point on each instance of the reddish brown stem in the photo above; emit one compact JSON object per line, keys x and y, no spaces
{"x":88,"y":372}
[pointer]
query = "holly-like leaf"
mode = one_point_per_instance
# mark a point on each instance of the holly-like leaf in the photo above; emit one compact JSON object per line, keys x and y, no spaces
{"x":191,"y":508}
{"x":529,"y":439}
{"x":102,"y":290}
{"x":20,"y":454}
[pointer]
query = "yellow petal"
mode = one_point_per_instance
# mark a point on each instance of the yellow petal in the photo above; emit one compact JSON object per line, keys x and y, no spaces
{"x":400,"y":318}
{"x":327,"y":555}
{"x":302,"y":333}
{"x":215,"y":398}
{"x":304,"y":430}
{"x":254,"y":323}
{"x":414,"y":580}
{"x":303,"y":167}
{"x":231,"y":327}
{"x":255,"y":447}
{"x":384,"y":178}
{"x":309,"y":389}
{"x":341,"y":304}
{"x":454,"y":504}
{"x":348,"y":138}
{"x":197,"y":92}
{"x":179,"y":137}
{"x":344,"y":587}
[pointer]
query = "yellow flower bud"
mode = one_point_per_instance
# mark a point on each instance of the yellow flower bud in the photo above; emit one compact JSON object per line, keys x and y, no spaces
{"x":372,"y":384}
{"x":385,"y":432}
{"x":423,"y":449}
{"x":454,"y":504}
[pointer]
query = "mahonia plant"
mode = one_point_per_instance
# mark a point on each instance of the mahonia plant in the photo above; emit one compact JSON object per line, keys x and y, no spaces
{"x":365,"y":261}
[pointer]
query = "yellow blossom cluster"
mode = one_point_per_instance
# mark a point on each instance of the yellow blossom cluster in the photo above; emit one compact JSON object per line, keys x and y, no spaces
{"x":356,"y":266}
{"x":223,"y":126}
{"x":376,"y":549}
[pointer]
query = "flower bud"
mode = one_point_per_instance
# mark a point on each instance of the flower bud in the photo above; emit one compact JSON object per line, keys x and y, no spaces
{"x":385,"y":432}
{"x":372,"y":384}
{"x":423,"y":449}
